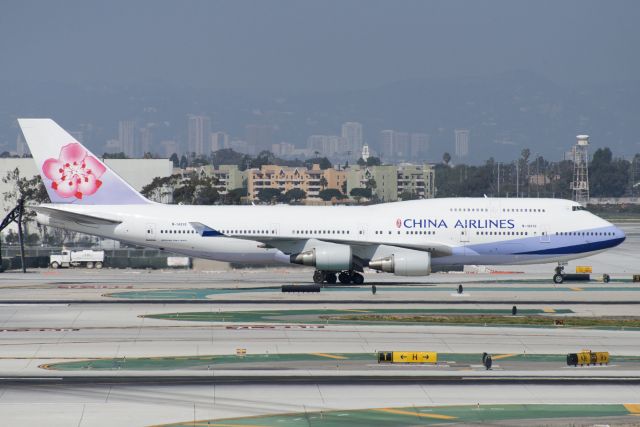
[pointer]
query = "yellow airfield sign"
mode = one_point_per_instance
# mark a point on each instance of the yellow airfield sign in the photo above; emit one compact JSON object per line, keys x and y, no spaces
{"x":408,"y":357}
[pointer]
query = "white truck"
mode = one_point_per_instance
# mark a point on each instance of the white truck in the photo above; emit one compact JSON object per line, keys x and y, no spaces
{"x":86,"y":258}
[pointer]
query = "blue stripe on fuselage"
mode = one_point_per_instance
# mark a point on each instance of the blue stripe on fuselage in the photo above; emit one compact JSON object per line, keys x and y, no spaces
{"x":581,"y":242}
{"x":576,"y":249}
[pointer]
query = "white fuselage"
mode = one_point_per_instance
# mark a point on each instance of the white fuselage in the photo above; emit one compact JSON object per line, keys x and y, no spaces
{"x":455,"y":231}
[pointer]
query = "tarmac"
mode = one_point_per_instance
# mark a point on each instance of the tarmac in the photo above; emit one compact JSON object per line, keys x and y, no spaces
{"x":113,"y":347}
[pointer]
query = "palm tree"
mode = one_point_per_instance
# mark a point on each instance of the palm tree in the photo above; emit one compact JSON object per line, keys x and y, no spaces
{"x":323,"y":182}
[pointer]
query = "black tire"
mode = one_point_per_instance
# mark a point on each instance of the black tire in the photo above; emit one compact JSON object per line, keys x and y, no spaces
{"x":558,"y":278}
{"x":358,"y":279}
{"x":331,"y":278}
{"x":54,"y":264}
{"x":318,"y":276}
{"x":606,"y":278}
{"x":98,"y":265}
{"x":344,"y":278}
{"x":89,"y":264}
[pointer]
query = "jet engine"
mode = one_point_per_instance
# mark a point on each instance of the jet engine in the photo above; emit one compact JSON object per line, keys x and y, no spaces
{"x":404,"y":262}
{"x":326,"y":257}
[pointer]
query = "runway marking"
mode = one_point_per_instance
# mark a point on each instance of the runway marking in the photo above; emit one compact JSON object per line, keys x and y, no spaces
{"x":577,"y":289}
{"x":416,"y":414}
{"x":633,"y":408}
{"x":548,"y":310}
{"x":220,"y":425}
{"x":330,"y":356}
{"x":210,"y":424}
{"x":503,"y":356}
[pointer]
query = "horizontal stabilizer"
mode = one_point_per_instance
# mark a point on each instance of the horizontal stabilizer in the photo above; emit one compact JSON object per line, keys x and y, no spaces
{"x":64,"y":215}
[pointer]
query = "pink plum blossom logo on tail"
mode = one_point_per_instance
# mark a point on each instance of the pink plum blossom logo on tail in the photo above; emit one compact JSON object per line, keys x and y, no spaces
{"x":75,"y":173}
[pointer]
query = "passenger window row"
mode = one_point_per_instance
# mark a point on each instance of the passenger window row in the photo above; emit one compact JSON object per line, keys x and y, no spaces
{"x":502,"y":233}
{"x":251,"y":232}
{"x":584,"y":233}
{"x":321,"y":232}
{"x":522,"y":210}
{"x":176,"y":231}
{"x":416,"y":232}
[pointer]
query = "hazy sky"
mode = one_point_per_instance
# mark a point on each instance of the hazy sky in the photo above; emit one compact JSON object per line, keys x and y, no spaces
{"x":315,"y":44}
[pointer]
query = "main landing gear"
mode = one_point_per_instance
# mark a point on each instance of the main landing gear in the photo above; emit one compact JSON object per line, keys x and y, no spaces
{"x":345,"y":277}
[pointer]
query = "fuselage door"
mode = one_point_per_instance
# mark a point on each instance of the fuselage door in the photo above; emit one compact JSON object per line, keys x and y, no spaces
{"x":544,"y":236}
{"x":464,"y":235}
{"x":274,"y":230}
{"x":362,"y":231}
{"x":150,"y":232}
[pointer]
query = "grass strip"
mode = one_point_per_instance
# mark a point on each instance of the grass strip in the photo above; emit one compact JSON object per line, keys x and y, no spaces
{"x":607,"y":322}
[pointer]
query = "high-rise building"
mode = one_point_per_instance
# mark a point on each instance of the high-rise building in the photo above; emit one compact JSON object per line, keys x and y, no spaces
{"x":127,"y":137}
{"x":402,"y":145}
{"x":462,"y":143}
{"x":387,"y":144}
{"x":219,"y":140}
{"x":395,"y":145}
{"x":21,"y":146}
{"x":352,"y":136}
{"x":146,"y":140}
{"x":199,"y":138}
{"x":282,"y":149}
{"x":419,"y":145}
{"x":326,"y":145}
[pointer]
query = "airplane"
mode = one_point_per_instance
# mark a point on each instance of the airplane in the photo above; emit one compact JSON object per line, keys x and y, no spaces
{"x":406,"y":238}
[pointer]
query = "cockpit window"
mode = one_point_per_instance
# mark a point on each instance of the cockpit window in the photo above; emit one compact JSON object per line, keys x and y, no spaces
{"x":578,"y":208}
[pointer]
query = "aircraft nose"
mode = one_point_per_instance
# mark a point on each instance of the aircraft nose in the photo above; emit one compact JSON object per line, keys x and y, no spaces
{"x":620,"y":234}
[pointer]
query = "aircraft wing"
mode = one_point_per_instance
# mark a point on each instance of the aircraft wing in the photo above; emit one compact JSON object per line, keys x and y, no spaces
{"x":290,"y":244}
{"x":68,"y":216}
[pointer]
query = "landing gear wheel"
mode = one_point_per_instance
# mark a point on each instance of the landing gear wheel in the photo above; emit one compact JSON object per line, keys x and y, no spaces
{"x":558,"y":278}
{"x":357,"y":278}
{"x":344,"y":278}
{"x":330,"y":278}
{"x":318,"y":276}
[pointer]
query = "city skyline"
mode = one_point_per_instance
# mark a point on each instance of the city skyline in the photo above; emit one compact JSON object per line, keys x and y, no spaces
{"x":274,"y":86}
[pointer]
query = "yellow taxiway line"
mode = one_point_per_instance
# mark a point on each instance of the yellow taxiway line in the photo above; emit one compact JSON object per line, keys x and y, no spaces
{"x":416,"y":414}
{"x":503,"y":356}
{"x":330,"y":356}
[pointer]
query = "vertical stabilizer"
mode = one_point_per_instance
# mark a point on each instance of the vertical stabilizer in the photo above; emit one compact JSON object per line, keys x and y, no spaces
{"x":70,"y":172}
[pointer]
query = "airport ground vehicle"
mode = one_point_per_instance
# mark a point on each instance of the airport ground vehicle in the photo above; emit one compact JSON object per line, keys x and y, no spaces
{"x":84,"y":258}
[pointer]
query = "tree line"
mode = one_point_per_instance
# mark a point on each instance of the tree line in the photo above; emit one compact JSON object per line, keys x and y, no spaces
{"x":538,"y":177}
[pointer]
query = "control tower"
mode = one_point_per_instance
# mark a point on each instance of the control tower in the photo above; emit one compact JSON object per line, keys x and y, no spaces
{"x":580,"y":184}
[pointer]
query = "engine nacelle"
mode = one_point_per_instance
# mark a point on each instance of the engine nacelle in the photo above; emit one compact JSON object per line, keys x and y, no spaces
{"x":405,"y":262}
{"x":325,"y":257}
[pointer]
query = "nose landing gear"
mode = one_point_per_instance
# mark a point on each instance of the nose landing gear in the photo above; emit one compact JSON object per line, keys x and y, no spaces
{"x":559,"y":276}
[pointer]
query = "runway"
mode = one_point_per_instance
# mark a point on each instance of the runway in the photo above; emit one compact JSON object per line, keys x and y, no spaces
{"x":113,"y":347}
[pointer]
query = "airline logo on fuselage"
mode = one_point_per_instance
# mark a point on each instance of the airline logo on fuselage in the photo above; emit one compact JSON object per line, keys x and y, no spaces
{"x":480,"y":224}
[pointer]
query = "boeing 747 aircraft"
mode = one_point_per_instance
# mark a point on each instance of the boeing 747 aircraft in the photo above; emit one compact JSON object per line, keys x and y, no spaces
{"x":404,"y":238}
